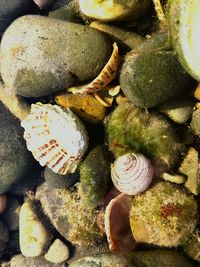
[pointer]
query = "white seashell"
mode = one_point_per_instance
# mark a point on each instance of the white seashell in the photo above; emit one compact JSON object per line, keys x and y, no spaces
{"x":55,"y":136}
{"x":132,"y":173}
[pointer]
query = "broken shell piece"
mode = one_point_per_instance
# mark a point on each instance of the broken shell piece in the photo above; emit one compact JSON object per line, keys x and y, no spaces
{"x":55,"y":136}
{"x":132,"y":173}
{"x":118,"y":230}
{"x":43,"y":3}
{"x":105,"y":77}
{"x":173,"y":178}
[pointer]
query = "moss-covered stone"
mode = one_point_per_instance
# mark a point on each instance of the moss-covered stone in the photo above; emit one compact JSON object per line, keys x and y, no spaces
{"x":151,"y":77}
{"x":164,"y":215}
{"x":65,"y":10}
{"x":94,"y":176}
{"x":130,"y":128}
{"x":190,"y":167}
{"x":101,"y":260}
{"x":160,"y":258}
{"x":74,"y":220}
{"x":51,"y":55}
{"x":192,"y":247}
{"x":16,"y":160}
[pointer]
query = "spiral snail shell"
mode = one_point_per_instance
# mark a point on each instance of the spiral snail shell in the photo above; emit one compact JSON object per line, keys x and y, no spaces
{"x":132,"y":173}
{"x":55,"y":136}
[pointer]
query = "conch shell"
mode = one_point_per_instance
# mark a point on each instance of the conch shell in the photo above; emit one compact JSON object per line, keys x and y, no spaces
{"x":132,"y":173}
{"x":55,"y":136}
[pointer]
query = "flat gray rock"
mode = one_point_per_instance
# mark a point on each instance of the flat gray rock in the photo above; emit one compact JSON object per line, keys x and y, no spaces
{"x":48,"y":55}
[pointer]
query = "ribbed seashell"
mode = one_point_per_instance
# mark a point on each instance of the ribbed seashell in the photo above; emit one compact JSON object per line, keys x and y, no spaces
{"x":107,"y":74}
{"x":132,"y":173}
{"x":55,"y":136}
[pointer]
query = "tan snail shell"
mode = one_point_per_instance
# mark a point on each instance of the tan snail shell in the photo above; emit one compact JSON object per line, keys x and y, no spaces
{"x":55,"y":136}
{"x":132,"y":173}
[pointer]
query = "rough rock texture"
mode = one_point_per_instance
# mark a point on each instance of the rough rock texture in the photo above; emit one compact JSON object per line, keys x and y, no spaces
{"x":15,"y":160}
{"x":51,"y":55}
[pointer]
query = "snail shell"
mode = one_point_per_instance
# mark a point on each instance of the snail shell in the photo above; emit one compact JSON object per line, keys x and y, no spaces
{"x":132,"y":173}
{"x":56,"y":137}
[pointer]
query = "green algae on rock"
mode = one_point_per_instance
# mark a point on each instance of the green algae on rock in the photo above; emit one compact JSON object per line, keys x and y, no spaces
{"x":74,"y":220}
{"x":192,"y":247}
{"x":183,"y":18}
{"x":151,"y":77}
{"x":16,"y":160}
{"x":160,"y":258}
{"x":94,"y":176}
{"x":164,"y":215}
{"x":190,"y":167}
{"x":130,"y":128}
{"x":100,"y":260}
{"x":51,"y":55}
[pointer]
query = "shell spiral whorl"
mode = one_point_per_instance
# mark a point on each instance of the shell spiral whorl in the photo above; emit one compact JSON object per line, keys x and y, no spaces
{"x":132,"y":173}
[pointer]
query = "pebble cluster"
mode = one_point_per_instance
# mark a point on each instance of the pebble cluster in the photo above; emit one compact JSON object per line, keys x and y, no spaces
{"x":99,"y":133}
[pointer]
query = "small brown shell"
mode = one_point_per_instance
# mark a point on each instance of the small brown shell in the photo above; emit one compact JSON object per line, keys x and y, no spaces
{"x":117,"y":225}
{"x":132,"y":173}
{"x":56,"y":137}
{"x":105,"y":77}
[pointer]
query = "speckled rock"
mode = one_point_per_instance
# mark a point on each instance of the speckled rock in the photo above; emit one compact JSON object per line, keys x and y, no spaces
{"x":58,"y":252}
{"x":11,"y":214}
{"x":9,"y":10}
{"x":190,"y":167}
{"x":51,"y":55}
{"x":165,"y":215}
{"x":178,"y":110}
{"x":126,"y":39}
{"x":53,"y":202}
{"x":195,"y":125}
{"x":20,"y":260}
{"x":65,"y":10}
{"x":16,"y":160}
{"x":192,"y":247}
{"x":56,"y":180}
{"x":59,"y":205}
{"x":104,"y":260}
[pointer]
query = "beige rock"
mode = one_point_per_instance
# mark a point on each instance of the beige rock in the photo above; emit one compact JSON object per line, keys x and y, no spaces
{"x":33,"y":234}
{"x":58,"y":252}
